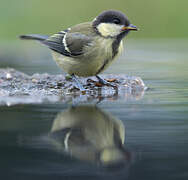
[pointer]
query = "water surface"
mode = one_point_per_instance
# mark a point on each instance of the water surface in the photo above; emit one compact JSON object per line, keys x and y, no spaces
{"x":143,"y":137}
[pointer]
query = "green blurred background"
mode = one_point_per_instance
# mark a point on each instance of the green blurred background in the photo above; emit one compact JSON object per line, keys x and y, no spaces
{"x":161,"y":43}
{"x":155,"y":18}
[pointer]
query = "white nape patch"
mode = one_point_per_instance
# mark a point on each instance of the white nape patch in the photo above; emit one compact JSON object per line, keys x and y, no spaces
{"x":65,"y":44}
{"x":94,"y":19}
{"x":109,"y":29}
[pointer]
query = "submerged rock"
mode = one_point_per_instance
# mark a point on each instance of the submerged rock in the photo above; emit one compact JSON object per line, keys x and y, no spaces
{"x":19,"y":88}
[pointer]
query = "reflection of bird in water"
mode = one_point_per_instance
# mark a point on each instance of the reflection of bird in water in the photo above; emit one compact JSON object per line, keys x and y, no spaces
{"x":90,"y":134}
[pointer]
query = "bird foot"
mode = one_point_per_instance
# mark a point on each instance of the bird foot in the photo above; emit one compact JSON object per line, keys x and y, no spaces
{"x":105,"y":82}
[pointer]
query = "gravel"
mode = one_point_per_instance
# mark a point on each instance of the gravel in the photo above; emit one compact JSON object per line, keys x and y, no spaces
{"x":19,"y":88}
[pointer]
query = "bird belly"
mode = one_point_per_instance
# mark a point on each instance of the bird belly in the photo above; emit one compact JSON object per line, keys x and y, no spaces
{"x":89,"y":65}
{"x":79,"y":67}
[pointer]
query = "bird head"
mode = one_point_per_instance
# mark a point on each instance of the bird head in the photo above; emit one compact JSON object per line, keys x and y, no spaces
{"x":112,"y":23}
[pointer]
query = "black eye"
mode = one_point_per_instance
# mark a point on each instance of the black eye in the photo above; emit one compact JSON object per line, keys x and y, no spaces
{"x":116,"y":21}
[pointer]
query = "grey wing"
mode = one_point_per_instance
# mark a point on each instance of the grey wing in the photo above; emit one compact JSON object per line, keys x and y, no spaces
{"x":76,"y":42}
{"x":68,"y":44}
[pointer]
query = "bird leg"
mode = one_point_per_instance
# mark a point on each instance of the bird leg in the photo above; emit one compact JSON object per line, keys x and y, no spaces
{"x":78,"y":83}
{"x":104,"y":82}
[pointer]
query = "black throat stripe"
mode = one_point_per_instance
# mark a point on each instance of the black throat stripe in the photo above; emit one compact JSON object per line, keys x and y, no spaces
{"x":103,"y":66}
{"x":116,"y":43}
{"x":115,"y":46}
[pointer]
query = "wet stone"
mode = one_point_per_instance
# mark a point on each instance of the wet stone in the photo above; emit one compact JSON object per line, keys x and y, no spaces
{"x":19,"y":88}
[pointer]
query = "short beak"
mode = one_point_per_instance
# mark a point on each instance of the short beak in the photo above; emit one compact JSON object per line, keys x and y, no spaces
{"x":131,"y":27}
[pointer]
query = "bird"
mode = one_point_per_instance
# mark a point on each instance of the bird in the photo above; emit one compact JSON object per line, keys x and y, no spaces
{"x":90,"y":134}
{"x":88,"y":49}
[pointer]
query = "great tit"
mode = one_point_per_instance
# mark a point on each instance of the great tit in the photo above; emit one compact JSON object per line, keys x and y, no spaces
{"x":88,"y":133}
{"x":88,"y":48}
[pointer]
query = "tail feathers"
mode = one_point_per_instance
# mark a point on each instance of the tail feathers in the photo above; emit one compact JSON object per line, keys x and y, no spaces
{"x":34,"y":37}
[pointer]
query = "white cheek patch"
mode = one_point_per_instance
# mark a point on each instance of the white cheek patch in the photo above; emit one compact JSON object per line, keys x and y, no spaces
{"x":108,"y":29}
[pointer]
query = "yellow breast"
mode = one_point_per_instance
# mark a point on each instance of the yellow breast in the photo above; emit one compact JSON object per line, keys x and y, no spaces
{"x":96,"y":59}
